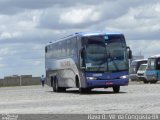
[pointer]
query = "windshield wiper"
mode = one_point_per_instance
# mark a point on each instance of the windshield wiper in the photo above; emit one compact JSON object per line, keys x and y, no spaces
{"x":114,"y":63}
{"x":101,"y":65}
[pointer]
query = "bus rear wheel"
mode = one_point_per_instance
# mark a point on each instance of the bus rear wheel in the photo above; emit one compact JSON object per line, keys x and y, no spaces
{"x":56,"y":88}
{"x":116,"y":89}
{"x":153,"y":81}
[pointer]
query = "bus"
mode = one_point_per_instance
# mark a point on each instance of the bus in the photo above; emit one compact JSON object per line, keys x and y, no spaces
{"x":87,"y":60}
{"x":153,"y":69}
{"x":135,"y":64}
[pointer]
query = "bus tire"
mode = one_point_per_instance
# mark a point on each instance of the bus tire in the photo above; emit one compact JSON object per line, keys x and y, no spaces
{"x":153,"y":81}
{"x":81,"y":90}
{"x":56,"y":87}
{"x":61,"y":89}
{"x":145,"y":81}
{"x":77,"y":82}
{"x":84,"y":90}
{"x":116,"y":89}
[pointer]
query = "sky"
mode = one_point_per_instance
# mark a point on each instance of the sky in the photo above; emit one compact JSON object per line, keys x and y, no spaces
{"x":26,"y":26}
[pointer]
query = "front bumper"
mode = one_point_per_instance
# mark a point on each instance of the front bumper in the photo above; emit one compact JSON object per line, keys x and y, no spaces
{"x":107,"y":83}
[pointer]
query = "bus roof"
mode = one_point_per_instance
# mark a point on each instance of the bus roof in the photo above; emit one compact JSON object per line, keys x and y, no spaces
{"x":155,"y":56}
{"x":96,"y":33}
{"x":86,"y":34}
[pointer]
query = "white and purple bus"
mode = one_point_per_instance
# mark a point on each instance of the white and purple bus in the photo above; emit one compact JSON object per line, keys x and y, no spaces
{"x":87,"y":61}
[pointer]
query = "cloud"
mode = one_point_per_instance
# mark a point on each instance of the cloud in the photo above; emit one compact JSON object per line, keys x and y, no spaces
{"x":138,"y":23}
{"x":22,"y":59}
{"x":2,"y":65}
{"x":146,"y":48}
{"x":7,"y":35}
{"x":68,"y":18}
{"x":11,"y":7}
{"x":84,"y":16}
{"x":4,"y":51}
{"x":79,"y":16}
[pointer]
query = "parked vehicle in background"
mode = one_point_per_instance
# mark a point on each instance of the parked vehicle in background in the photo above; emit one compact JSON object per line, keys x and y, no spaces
{"x":153,"y":69}
{"x":135,"y":64}
{"x":141,"y":73}
{"x":87,"y":61}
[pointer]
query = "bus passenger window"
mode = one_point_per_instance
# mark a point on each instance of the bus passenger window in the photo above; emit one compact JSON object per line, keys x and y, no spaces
{"x":46,"y":49}
{"x":68,"y":47}
{"x":158,"y":64}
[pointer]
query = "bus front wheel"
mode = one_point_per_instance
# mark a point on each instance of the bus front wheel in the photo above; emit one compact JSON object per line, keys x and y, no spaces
{"x":84,"y":90}
{"x":116,"y":89}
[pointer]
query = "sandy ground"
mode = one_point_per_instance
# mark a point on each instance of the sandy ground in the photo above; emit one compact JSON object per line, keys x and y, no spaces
{"x":135,"y":98}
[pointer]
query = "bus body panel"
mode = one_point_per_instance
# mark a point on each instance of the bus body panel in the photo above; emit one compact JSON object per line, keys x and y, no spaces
{"x":107,"y":83}
{"x":153,"y":75}
{"x":67,"y":68}
{"x":153,"y":68}
{"x":107,"y":79}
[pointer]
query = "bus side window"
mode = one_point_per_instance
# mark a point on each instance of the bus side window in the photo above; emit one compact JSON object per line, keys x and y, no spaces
{"x":68,"y":47}
{"x":53,"y":51}
{"x":149,"y":64}
{"x":158,"y":64}
{"x":62,"y":47}
{"x":73,"y":46}
{"x":49,"y":51}
{"x":59,"y":50}
{"x":56,"y":50}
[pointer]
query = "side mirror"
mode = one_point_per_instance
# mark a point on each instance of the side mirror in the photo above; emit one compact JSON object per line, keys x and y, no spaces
{"x":46,"y":50}
{"x":129,"y":52}
{"x":82,"y":52}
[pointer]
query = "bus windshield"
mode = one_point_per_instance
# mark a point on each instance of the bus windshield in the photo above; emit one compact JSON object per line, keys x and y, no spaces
{"x":154,"y":64}
{"x":151,"y":63}
{"x":105,"y":53}
{"x":142,"y":67}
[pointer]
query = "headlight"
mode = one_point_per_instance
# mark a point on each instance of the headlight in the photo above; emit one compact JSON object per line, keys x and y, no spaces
{"x":124,"y":77}
{"x":91,"y":78}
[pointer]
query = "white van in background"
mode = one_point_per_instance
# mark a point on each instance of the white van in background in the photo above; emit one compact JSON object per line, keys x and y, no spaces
{"x":135,"y":64}
{"x":141,"y":73}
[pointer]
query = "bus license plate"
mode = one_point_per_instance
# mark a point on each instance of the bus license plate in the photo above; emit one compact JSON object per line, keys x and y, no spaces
{"x":109,"y":83}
